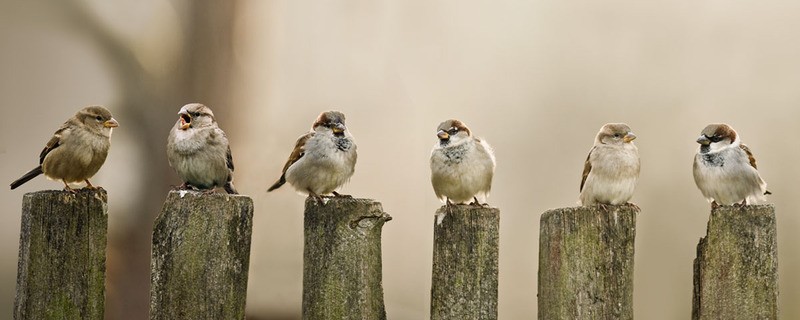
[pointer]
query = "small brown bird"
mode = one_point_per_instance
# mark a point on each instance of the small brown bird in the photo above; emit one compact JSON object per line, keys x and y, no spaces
{"x":611,"y":170}
{"x":198,"y":150}
{"x":462,"y":166}
{"x":322,"y":160}
{"x":77,"y":150}
{"x":725,"y":169}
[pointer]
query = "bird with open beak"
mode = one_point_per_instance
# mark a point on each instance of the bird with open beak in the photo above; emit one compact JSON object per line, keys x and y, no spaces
{"x":611,"y":169}
{"x":199,"y":152}
{"x":725,"y":169}
{"x":77,"y":150}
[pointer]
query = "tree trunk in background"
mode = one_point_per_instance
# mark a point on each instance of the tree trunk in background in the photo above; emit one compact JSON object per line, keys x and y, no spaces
{"x":586,"y":263}
{"x":736,"y":269}
{"x":149,"y":106}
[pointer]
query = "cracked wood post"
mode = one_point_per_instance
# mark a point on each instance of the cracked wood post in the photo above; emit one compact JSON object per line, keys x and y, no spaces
{"x":586,"y":262}
{"x":465,"y":263}
{"x":200,"y":257}
{"x":62,"y":255}
{"x":736,"y":269}
{"x":342,"y":259}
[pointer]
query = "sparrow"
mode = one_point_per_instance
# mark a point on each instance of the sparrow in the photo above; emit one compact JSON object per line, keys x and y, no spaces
{"x":611,"y":170}
{"x":462,"y":165}
{"x":199,"y":152}
{"x":77,"y":149}
{"x":725,"y":170}
{"x":323,"y":159}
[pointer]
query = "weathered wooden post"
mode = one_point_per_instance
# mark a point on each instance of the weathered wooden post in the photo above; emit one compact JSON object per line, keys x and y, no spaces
{"x":342,"y":276}
{"x":736,"y":269}
{"x":466,"y":241}
{"x":201,"y":255}
{"x":62,"y":255}
{"x":586,"y":262}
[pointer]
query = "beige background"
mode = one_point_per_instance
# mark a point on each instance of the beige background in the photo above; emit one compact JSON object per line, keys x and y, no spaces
{"x":536,"y":79}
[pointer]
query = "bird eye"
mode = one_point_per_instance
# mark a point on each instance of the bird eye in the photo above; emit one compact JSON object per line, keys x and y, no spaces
{"x":617,"y":135}
{"x":452,"y":131}
{"x":99,"y":118}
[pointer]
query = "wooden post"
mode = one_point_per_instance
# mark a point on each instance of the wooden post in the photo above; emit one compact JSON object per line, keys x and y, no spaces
{"x":586,"y":262}
{"x":62,"y":255}
{"x":342,"y":259}
{"x":201,"y":255}
{"x":736,"y":269}
{"x":465,"y":263}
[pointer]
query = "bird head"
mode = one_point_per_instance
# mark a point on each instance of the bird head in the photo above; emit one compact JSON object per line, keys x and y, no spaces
{"x":97,"y":119}
{"x":717,"y":136}
{"x":615,"y":133}
{"x":332,"y":121}
{"x":452,"y":132}
{"x":194,"y":115}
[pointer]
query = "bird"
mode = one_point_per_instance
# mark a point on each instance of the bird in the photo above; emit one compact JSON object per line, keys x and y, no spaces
{"x":462,"y":166}
{"x":611,"y":170}
{"x":77,"y":149}
{"x":199,"y":151}
{"x":323,"y":159}
{"x":725,"y":170}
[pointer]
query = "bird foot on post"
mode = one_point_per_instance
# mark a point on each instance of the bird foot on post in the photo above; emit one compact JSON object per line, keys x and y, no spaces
{"x":316,"y":197}
{"x":633,"y":205}
{"x":714,"y":205}
{"x":68,"y":189}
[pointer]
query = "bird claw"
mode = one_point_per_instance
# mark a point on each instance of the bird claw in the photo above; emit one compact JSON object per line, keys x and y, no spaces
{"x":634,"y":206}
{"x":714,"y":205}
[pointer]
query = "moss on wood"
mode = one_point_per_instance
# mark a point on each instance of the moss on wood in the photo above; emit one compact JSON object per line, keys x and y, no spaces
{"x":586,"y":262}
{"x":342,"y":259}
{"x":62,"y":255}
{"x":201,"y":256}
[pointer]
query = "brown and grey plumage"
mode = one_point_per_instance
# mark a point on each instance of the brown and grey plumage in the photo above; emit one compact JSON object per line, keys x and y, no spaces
{"x":725,"y":170}
{"x":199,"y":151}
{"x":611,"y":170}
{"x":323,"y":159}
{"x":77,"y":150}
{"x":462,"y":166}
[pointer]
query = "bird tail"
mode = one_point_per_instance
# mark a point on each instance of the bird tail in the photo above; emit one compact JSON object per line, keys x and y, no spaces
{"x":278,"y":184}
{"x":229,"y":188}
{"x":27,"y":177}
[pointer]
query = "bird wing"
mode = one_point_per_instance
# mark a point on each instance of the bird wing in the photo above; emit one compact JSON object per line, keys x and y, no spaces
{"x":297,"y":153}
{"x":229,"y":159}
{"x":54,"y":142}
{"x":587,"y":167}
{"x":749,"y":155}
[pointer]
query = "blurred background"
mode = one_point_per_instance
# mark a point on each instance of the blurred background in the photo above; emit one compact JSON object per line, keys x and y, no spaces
{"x":537,"y":79}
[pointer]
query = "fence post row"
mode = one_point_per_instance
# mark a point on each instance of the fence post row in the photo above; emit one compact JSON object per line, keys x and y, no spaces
{"x":586,"y":262}
{"x":342,"y":276}
{"x":201,"y":256}
{"x":61,"y":270}
{"x":736,"y":269}
{"x":466,"y":241}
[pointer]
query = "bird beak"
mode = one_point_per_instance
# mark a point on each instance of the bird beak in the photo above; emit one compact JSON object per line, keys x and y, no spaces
{"x":338,"y":128}
{"x":442,"y":135}
{"x":185,"y":119}
{"x":111,"y":123}
{"x":629,"y":137}
{"x":703,"y":140}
